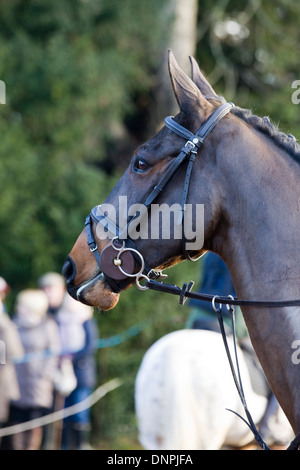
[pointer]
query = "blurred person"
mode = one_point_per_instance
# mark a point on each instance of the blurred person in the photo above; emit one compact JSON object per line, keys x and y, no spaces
{"x":10,"y":348}
{"x":4,"y":289}
{"x":78,"y":334}
{"x":53,"y":284}
{"x":39,"y":334}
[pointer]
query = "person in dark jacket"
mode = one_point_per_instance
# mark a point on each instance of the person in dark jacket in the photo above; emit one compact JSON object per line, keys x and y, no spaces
{"x":216,"y":280}
{"x":78,"y":333}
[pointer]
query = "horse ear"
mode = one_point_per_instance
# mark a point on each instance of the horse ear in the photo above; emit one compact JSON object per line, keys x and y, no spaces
{"x":186,"y":92}
{"x":199,"y":79}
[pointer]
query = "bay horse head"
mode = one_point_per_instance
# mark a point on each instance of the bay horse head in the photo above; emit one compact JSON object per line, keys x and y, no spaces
{"x":245,"y":173}
{"x":158,"y":181}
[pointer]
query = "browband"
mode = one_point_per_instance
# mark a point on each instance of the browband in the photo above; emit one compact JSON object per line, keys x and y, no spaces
{"x":204,"y":130}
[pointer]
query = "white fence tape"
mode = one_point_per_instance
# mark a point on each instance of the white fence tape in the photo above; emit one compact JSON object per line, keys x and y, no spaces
{"x":99,"y":393}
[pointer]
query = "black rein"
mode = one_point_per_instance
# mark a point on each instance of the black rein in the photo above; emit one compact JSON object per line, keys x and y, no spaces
{"x":185,"y":292}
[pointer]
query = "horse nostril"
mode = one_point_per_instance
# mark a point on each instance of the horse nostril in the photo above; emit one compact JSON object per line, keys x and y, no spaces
{"x":69,"y":270}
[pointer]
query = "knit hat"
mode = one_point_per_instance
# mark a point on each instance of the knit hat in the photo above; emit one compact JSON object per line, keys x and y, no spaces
{"x":32,"y":302}
{"x":51,"y":279}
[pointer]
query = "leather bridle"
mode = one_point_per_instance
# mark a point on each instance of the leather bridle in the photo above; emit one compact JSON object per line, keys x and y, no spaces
{"x":118,"y":261}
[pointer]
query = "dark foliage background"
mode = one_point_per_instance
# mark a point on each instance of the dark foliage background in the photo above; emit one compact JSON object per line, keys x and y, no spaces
{"x":81,"y":78}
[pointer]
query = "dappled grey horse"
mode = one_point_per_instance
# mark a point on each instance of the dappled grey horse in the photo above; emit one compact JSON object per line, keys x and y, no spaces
{"x":183,"y":392}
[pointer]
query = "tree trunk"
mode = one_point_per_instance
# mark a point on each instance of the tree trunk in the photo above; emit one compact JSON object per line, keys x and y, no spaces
{"x":182,"y":19}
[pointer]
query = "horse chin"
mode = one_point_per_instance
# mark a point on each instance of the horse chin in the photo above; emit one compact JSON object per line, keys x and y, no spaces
{"x":96,"y":293}
{"x":100,"y":296}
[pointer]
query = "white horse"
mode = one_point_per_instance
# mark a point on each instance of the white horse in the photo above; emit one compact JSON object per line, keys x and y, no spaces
{"x":183,"y":387}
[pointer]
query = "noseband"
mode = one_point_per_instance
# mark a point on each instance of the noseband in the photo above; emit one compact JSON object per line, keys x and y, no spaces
{"x":118,"y":261}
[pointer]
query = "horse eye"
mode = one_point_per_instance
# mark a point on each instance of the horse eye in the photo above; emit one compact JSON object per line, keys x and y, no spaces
{"x":141,"y":165}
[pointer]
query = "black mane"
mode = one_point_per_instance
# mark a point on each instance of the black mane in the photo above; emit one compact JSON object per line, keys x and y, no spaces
{"x":286,"y":141}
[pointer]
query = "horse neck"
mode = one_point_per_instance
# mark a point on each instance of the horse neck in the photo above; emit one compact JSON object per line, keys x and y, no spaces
{"x":261,"y":203}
